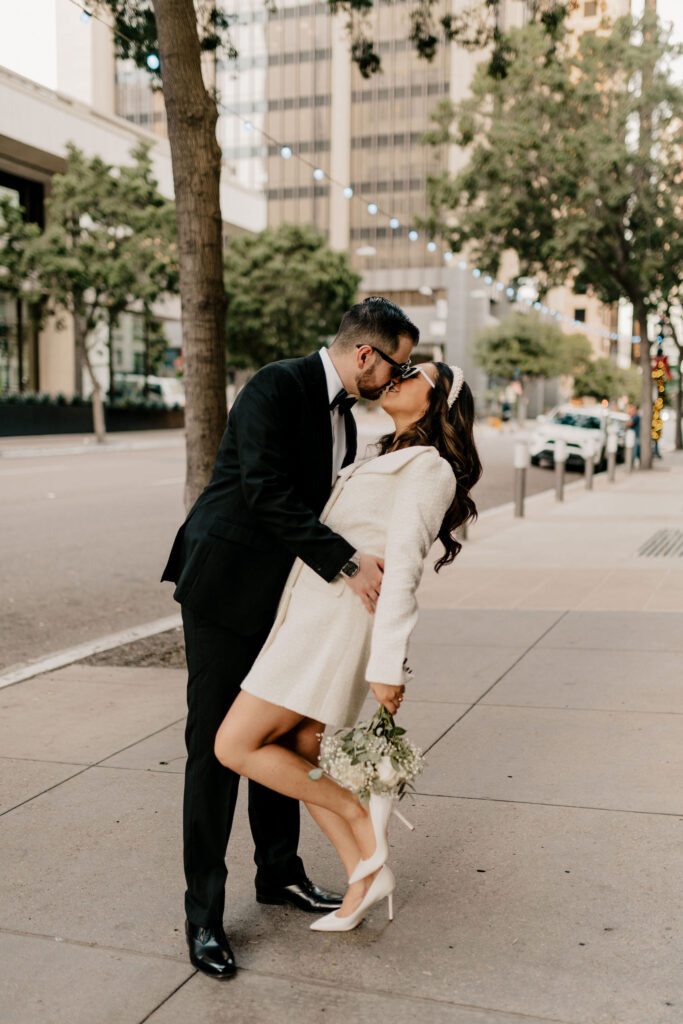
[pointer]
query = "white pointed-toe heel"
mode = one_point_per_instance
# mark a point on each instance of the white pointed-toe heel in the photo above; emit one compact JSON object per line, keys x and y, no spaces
{"x":381,"y":808}
{"x":382,"y":888}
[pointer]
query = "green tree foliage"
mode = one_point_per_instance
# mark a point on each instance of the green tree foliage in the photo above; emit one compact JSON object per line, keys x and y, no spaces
{"x":527,"y":347}
{"x":476,"y":26}
{"x":168,"y":37}
{"x":16,"y":269}
{"x":574,"y":166}
{"x":603,"y":379}
{"x":287,"y":291}
{"x":95,"y":255}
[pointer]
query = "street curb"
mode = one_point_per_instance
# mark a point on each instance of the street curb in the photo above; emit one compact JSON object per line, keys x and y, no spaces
{"x":88,"y":449}
{"x":105,"y":643}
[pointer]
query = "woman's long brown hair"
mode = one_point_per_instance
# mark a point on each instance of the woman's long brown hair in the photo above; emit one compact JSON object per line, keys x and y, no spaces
{"x":451,"y":432}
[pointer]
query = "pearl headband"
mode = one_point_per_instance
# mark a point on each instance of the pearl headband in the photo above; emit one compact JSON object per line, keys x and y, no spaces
{"x":458,"y":380}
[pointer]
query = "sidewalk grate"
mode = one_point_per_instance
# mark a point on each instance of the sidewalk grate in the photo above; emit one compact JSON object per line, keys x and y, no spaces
{"x":663,"y":544}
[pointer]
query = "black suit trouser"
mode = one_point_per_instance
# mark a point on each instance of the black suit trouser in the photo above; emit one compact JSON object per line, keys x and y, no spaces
{"x":217,"y":661}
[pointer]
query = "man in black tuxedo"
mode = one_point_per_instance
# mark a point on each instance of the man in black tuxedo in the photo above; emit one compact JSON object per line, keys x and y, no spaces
{"x":288,"y":434}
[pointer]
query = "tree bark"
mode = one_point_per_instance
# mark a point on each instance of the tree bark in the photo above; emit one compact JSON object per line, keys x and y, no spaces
{"x":640,"y":316}
{"x":145,"y":336}
{"x":196,"y":159}
{"x":34,"y":320}
{"x":110,"y":354}
{"x":97,"y":402}
{"x":678,"y":400}
{"x":20,"y":344}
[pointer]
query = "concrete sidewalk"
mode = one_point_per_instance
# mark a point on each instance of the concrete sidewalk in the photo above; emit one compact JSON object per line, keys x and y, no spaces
{"x":542,"y":883}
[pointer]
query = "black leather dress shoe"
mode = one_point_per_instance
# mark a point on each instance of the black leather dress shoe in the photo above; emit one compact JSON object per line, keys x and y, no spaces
{"x":210,"y":951}
{"x":302,"y":894}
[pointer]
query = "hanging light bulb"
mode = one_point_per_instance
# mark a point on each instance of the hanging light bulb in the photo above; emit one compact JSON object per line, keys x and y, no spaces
{"x":372,"y":209}
{"x":463,"y":264}
{"x":394,"y":223}
{"x":448,"y":255}
{"x":153,"y":62}
{"x":248,"y":126}
{"x":476,"y":272}
{"x":318,"y":174}
{"x":413,"y":235}
{"x":285,"y":152}
{"x":431,"y":246}
{"x":85,"y":17}
{"x":348,"y":191}
{"x":510,"y":292}
{"x":488,"y":279}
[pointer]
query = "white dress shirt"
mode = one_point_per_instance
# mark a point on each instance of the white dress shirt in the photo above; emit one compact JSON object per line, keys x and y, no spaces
{"x":334,"y":385}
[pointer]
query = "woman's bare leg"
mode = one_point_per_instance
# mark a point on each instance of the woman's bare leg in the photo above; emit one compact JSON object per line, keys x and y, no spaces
{"x":305,"y":740}
{"x":252,"y":741}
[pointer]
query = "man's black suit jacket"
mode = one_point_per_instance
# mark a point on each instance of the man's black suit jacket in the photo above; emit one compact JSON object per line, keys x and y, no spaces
{"x":272,"y":478}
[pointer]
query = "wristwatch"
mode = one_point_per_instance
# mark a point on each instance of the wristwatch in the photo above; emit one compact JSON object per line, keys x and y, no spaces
{"x":350,"y":568}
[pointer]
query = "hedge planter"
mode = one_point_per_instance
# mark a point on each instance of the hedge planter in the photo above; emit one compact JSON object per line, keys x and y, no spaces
{"x":22,"y":420}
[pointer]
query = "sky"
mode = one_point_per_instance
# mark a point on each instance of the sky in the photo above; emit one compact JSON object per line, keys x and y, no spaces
{"x":28,"y":33}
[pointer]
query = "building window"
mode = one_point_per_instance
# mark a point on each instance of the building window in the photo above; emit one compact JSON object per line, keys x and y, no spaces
{"x":590,"y":8}
{"x":580,"y":314}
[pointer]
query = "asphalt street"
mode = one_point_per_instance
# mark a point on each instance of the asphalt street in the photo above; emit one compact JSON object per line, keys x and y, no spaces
{"x":84,"y":537}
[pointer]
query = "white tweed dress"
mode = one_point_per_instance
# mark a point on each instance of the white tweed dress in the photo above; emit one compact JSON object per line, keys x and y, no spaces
{"x":324,"y":647}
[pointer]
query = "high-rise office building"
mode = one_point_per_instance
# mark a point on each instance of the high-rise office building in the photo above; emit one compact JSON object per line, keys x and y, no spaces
{"x":59,"y":83}
{"x":300,"y":122}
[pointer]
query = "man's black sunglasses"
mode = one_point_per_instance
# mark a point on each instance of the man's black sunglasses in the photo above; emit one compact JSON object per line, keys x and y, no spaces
{"x":401,"y":370}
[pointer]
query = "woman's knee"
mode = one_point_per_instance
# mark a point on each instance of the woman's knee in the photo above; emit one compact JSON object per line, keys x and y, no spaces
{"x":228,"y":750}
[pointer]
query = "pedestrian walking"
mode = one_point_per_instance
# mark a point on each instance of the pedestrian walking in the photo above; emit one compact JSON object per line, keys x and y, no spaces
{"x":634,"y":425}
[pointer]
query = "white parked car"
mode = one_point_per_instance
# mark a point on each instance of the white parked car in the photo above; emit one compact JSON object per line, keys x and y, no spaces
{"x":579,"y":426}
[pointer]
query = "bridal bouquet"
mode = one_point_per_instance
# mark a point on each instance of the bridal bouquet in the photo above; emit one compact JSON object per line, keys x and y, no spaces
{"x":373,"y":757}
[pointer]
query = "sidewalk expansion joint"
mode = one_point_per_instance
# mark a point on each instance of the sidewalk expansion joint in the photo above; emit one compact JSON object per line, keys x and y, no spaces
{"x":406,"y":997}
{"x":546,"y":803}
{"x":571,"y":707}
{"x":85,"y":944}
{"x":496,"y":681}
{"x":95,"y":764}
{"x":169,"y":996}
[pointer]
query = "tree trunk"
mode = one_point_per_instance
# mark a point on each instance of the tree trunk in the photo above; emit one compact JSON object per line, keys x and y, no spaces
{"x":196,"y":159}
{"x":145,"y":336}
{"x":20,"y":344}
{"x":678,"y":410}
{"x":640,"y":315}
{"x":97,"y":402}
{"x":110,"y":354}
{"x":34,"y":318}
{"x":678,"y":400}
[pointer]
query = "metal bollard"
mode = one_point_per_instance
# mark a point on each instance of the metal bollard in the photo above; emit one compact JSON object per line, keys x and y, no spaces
{"x":612,"y":445}
{"x":589,"y":463}
{"x":560,"y":464}
{"x":630,"y":443}
{"x":521,"y":461}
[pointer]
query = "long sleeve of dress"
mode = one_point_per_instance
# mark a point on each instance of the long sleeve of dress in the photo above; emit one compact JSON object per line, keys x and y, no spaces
{"x":426,"y":490}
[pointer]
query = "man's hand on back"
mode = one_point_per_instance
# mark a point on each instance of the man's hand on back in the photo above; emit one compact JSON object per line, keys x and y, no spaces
{"x":367,"y":582}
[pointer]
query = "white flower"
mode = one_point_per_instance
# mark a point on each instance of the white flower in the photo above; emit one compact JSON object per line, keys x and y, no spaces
{"x":386,"y":773}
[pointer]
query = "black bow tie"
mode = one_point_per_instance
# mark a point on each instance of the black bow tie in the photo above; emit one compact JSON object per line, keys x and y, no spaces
{"x":342,"y":401}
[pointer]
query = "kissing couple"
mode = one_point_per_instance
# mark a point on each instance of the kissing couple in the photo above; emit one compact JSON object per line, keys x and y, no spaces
{"x":297,"y":570}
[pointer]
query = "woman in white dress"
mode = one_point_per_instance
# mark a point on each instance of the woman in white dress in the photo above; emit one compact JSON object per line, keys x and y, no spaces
{"x":325,"y":649}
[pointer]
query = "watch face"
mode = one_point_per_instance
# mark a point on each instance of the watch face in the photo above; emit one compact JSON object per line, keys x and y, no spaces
{"x":350,"y":569}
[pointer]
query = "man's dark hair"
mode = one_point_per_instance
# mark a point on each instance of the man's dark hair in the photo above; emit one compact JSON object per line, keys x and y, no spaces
{"x":375,"y":321}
